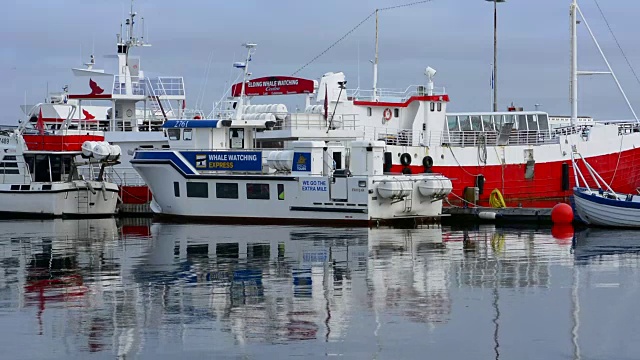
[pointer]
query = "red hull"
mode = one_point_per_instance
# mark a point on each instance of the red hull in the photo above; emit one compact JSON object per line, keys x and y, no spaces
{"x":545,"y":189}
{"x":135,"y":194}
{"x":58,"y":142}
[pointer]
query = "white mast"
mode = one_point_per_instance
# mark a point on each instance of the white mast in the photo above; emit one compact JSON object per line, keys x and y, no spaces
{"x":573,"y":96}
{"x":250,"y":49}
{"x":375,"y":64}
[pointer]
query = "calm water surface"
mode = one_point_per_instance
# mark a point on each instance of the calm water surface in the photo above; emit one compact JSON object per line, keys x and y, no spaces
{"x":107,"y":290}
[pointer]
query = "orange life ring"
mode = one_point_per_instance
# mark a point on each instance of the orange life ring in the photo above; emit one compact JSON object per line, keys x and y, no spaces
{"x":387,"y":114}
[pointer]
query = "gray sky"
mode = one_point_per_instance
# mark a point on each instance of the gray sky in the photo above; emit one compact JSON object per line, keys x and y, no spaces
{"x":42,"y":40}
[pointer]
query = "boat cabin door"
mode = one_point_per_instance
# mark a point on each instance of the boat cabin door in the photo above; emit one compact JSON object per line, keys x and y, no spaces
{"x":338,"y":186}
{"x":236,"y":138}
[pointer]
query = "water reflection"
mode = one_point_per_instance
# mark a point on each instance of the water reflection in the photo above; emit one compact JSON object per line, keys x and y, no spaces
{"x":133,"y":289}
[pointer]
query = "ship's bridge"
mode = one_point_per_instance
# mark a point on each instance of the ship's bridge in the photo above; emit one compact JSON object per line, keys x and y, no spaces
{"x":497,"y":128}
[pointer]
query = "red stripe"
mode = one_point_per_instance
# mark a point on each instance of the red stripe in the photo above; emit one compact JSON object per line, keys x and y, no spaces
{"x":444,"y":98}
{"x":545,"y":190}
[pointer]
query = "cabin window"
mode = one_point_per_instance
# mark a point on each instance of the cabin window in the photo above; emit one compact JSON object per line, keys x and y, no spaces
{"x":56,"y":167}
{"x":543,"y":122}
{"x":396,"y":112}
{"x":497,"y":121}
{"x":174,"y":134}
{"x":531,"y":121}
{"x":452,"y":123}
{"x":280,"y":191}
{"x":226,"y":191}
{"x":15,"y":187}
{"x":522,"y":122}
{"x":187,"y":134}
{"x":176,"y":189}
{"x":465,"y":123}
{"x":197,"y":190}
{"x":439,"y":106}
{"x":9,"y":157}
{"x":476,"y":123}
{"x":337,"y":158}
{"x":42,"y":170}
{"x":486,"y":123}
{"x":258,"y":191}
{"x":369,"y":111}
{"x":433,"y":106}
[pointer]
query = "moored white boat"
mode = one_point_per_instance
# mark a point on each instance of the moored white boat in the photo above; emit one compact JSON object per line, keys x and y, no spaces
{"x":48,"y":184}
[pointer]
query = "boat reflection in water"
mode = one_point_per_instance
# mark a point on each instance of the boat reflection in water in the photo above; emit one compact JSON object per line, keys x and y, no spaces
{"x":136,"y":288}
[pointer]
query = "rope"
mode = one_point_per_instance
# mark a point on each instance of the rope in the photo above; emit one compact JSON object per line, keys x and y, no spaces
{"x":618,"y":163}
{"x":617,"y":43}
{"x":354,"y":29}
{"x":461,"y":167}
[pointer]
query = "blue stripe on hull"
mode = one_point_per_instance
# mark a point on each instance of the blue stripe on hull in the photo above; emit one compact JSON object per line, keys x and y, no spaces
{"x":604,"y":201}
{"x":164,"y":156}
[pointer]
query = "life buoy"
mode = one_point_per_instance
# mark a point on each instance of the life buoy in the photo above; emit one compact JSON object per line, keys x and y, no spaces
{"x":387,"y":114}
{"x":405,"y":159}
{"x":197,"y":117}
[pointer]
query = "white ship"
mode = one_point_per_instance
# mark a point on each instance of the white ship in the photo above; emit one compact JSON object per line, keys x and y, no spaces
{"x":47,"y":183}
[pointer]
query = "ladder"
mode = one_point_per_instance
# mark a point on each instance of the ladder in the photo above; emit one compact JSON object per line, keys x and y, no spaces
{"x":83,"y":201}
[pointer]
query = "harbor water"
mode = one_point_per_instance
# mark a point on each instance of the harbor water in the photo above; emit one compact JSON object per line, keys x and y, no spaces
{"x":134,"y":289}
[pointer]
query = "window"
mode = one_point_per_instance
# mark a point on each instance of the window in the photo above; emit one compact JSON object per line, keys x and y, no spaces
{"x":174,"y":134}
{"x":176,"y":189}
{"x":9,"y":157}
{"x":439,"y":106}
{"x":486,"y":123}
{"x":433,"y":106}
{"x":522,"y":122}
{"x":476,"y":123}
{"x":369,"y":111}
{"x":197,"y":190}
{"x":543,"y":122}
{"x":396,"y":112}
{"x":258,"y":191}
{"x":280,"y":191}
{"x":465,"y":123}
{"x":187,"y":134}
{"x":531,"y":121}
{"x":452,"y":123}
{"x":226,"y":191}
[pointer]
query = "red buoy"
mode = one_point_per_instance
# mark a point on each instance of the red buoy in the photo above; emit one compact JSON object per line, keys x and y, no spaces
{"x":563,"y":234}
{"x":562,"y":214}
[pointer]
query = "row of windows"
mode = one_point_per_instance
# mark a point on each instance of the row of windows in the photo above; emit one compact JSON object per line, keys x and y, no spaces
{"x":9,"y":158}
{"x":495,"y":122}
{"x":174,"y":134}
{"x":228,"y":190}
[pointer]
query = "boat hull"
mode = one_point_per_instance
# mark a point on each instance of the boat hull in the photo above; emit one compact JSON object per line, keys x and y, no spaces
{"x":621,"y":170}
{"x":74,"y":199}
{"x":600,"y":211}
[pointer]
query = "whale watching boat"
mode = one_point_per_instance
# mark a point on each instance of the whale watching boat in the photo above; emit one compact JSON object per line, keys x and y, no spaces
{"x":120,"y":101}
{"x":47,"y":183}
{"x":213,"y":170}
{"x":525,"y":155}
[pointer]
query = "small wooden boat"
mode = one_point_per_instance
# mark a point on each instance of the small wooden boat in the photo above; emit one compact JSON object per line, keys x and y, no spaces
{"x":601,"y":205}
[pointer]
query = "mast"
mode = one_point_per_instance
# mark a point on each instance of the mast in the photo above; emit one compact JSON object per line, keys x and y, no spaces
{"x":250,"y":48}
{"x":375,"y":64}
{"x":573,"y":86}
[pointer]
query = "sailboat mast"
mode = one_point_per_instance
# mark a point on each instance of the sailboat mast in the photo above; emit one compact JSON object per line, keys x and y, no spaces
{"x":573,"y":96}
{"x":375,"y":64}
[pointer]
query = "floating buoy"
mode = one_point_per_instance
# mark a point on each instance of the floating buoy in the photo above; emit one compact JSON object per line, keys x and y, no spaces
{"x":562,"y":214}
{"x":563,"y":234}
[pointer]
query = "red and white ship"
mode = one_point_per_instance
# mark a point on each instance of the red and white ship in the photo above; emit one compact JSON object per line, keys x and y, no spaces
{"x":124,"y":105}
{"x":525,"y":155}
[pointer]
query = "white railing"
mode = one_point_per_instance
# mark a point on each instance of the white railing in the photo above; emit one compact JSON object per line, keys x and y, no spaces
{"x":167,"y":86}
{"x":120,"y":88}
{"x":490,"y":138}
{"x":317,"y":121}
{"x":393,"y":94}
{"x":120,"y":176}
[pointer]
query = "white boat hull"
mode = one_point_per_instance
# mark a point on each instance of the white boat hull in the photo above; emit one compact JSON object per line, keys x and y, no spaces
{"x":64,"y":199}
{"x":596,"y":210}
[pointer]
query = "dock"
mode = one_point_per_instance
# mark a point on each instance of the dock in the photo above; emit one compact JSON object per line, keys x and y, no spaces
{"x":496,"y":215}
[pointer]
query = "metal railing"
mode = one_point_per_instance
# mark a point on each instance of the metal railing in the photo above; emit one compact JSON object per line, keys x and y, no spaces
{"x":383,"y":94}
{"x":490,"y":138}
{"x":317,"y":121}
{"x":120,"y":88}
{"x":121,"y":176}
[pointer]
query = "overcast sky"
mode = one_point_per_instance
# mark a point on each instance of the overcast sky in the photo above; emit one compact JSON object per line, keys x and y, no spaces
{"x":42,"y":40}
